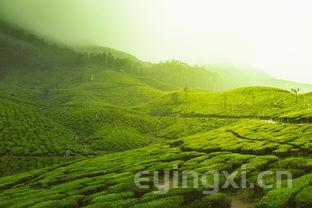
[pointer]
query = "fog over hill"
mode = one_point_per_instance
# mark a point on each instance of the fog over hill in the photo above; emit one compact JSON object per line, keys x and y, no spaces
{"x":80,"y":119}
{"x":201,"y":32}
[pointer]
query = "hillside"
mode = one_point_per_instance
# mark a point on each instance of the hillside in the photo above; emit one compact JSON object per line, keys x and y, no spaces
{"x":57,"y":99}
{"x":25,"y":132}
{"x":250,"y":102}
{"x":107,"y":181}
{"x":233,"y":77}
{"x":106,"y":50}
{"x":119,"y":115}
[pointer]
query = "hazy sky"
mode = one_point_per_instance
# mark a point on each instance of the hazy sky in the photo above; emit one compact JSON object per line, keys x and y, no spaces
{"x":272,"y":35}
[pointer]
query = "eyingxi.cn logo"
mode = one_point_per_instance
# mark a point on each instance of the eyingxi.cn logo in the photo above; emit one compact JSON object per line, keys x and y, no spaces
{"x":210,"y":182}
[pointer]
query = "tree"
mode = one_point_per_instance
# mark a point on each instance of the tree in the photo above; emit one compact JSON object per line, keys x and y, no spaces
{"x":175,"y":98}
{"x":185,"y":98}
{"x":225,"y":102}
{"x":295,"y":92}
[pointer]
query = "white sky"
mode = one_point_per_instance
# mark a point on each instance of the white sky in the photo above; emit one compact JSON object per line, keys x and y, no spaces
{"x":271,"y":35}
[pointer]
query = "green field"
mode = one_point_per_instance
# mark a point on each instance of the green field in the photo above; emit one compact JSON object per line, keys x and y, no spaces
{"x":119,"y":115}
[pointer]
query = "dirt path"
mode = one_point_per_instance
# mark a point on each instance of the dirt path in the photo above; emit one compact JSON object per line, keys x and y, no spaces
{"x":239,"y":202}
{"x":266,"y":119}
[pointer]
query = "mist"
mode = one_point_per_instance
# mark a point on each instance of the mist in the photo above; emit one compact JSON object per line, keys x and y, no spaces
{"x":270,"y":36}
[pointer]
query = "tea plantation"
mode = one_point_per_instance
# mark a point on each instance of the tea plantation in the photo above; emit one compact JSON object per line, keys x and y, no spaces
{"x":107,"y":181}
{"x":77,"y":125}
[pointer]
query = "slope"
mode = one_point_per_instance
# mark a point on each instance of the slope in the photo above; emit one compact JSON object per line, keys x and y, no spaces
{"x":58,"y":81}
{"x":107,"y":181}
{"x":250,"y":102}
{"x":25,"y":132}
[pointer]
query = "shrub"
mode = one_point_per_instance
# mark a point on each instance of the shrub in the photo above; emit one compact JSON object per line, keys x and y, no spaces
{"x":277,"y":198}
{"x":169,"y":202}
{"x":304,"y":198}
{"x":217,"y":200}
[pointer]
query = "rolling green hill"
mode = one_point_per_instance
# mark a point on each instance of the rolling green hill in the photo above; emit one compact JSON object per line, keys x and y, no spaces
{"x":68,"y":87}
{"x":120,"y":115}
{"x":106,"y":128}
{"x":250,"y":102}
{"x":107,"y":181}
{"x":25,"y":132}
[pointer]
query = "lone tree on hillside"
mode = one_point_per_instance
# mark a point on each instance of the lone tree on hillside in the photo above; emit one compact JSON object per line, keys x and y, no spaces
{"x":175,"y":98}
{"x":295,"y":91}
{"x":225,"y":99}
{"x":185,"y":100}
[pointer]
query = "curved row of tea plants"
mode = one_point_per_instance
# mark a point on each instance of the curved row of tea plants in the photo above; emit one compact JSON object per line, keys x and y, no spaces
{"x":25,"y":132}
